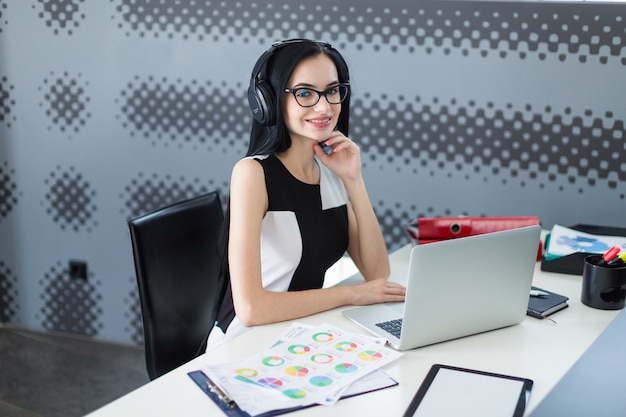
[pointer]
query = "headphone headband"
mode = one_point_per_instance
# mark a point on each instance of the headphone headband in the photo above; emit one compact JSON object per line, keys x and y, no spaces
{"x":260,"y":97}
{"x":258,"y":73}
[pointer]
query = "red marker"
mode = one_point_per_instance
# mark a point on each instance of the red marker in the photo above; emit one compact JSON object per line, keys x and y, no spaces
{"x":609,"y":255}
{"x":618,"y":260}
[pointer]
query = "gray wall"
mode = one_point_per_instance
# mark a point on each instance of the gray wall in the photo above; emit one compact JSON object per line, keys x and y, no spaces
{"x":110,"y":109}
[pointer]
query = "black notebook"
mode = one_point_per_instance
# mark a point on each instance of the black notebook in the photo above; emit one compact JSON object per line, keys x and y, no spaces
{"x":543,"y":305}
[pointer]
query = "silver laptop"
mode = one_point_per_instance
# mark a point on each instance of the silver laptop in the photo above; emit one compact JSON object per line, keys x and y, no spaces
{"x":457,"y":288}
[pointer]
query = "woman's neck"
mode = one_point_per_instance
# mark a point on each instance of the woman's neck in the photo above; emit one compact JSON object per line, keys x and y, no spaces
{"x":299,"y":159}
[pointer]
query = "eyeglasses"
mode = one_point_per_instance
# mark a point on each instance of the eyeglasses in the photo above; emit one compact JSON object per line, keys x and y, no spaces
{"x":308,"y":97}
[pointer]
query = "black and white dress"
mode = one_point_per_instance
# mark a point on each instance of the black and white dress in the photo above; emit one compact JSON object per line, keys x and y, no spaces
{"x":304,"y":232}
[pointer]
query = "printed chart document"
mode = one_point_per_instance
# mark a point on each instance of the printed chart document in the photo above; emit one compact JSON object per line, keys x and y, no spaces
{"x":308,"y":365}
{"x":565,"y":241}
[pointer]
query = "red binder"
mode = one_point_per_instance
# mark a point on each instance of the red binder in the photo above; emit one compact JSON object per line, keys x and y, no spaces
{"x":434,"y":229}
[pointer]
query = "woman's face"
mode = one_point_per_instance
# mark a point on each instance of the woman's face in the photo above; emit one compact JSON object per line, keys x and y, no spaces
{"x":316,"y":122}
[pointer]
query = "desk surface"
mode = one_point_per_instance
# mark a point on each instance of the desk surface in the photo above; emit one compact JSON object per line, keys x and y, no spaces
{"x":537,"y":349}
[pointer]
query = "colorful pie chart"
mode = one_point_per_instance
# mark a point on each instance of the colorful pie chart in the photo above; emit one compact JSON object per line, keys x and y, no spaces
{"x":273,"y":361}
{"x":323,"y":337}
{"x":271,"y":382}
{"x":346,"y":346}
{"x":321,"y":381}
{"x":299,"y":349}
{"x":295,"y":393}
{"x":297,"y":371}
{"x":247,"y":372}
{"x":345,"y":368}
{"x":322,"y":358}
{"x":370,"y":355}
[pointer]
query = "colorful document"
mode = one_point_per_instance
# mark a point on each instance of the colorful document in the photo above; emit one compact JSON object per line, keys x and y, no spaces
{"x":308,"y":365}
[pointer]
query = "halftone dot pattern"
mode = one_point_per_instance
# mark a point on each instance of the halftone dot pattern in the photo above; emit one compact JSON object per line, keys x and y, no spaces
{"x":484,"y":28}
{"x":173,"y":112}
{"x":143,"y":194}
{"x":392,"y":220}
{"x":134,"y":325}
{"x":7,"y":102}
{"x":8,"y":294}
{"x":3,"y":6}
{"x":8,"y":191}
{"x":394,"y":217}
{"x":580,"y":147}
{"x":65,"y":100}
{"x":198,"y":19}
{"x":63,"y":16}
{"x":70,"y":305}
{"x":70,"y":200}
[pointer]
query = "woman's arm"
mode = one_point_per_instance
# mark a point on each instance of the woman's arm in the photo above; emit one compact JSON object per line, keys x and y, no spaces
{"x":253,"y":304}
{"x":367,"y":246}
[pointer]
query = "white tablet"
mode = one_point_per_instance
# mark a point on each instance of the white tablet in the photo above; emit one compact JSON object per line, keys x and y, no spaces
{"x":451,"y":391}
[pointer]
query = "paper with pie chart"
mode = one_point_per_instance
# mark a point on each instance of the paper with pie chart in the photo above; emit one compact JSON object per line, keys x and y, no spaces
{"x":310,"y":368}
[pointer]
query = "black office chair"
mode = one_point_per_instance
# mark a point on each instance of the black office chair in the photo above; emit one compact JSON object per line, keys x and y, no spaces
{"x":176,"y":254}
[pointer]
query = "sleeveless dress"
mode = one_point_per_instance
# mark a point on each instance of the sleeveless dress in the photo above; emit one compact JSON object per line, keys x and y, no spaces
{"x":303,"y":233}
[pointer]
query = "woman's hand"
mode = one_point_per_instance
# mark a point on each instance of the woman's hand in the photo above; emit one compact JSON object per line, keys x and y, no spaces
{"x":345,"y":159}
{"x":378,"y":291}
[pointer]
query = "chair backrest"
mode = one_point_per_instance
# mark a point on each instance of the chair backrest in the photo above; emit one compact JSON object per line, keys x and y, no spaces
{"x":177,"y":262}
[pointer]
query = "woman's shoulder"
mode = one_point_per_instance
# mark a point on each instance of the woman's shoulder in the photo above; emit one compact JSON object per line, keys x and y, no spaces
{"x":247,"y":166}
{"x":250,"y":162}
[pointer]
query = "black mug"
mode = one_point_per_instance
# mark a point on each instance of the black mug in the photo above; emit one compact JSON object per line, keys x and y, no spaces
{"x":604,"y":286}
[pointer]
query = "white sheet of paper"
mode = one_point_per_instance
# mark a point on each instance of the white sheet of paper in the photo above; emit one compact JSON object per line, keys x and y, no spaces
{"x":455,"y":393}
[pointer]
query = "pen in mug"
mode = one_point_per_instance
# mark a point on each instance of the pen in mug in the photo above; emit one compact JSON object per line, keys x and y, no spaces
{"x":608,"y":256}
{"x":618,"y":260}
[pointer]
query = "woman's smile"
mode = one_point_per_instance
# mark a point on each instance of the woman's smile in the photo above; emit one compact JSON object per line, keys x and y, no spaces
{"x":320,"y":122}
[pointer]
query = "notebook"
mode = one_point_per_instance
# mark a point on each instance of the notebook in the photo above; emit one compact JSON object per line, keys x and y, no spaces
{"x":457,"y":288}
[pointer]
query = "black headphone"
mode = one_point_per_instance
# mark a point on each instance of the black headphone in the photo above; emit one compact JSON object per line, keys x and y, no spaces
{"x":261,"y":96}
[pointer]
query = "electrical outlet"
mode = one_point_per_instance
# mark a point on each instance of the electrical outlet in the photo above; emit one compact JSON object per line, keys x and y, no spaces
{"x":78,"y":270}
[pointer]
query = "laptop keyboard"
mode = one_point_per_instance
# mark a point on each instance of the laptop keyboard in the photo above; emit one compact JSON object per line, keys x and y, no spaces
{"x":392,"y":326}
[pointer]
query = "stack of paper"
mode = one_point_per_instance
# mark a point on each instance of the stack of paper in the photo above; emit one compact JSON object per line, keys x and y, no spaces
{"x":565,"y":241}
{"x":308,"y":365}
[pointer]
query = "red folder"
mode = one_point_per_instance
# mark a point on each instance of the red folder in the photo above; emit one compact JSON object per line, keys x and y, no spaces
{"x":433,"y":229}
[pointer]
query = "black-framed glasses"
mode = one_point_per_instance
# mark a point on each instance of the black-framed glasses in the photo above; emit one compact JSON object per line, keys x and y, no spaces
{"x":308,"y":97}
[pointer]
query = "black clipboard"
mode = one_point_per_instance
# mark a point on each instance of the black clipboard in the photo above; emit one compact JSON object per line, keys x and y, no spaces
{"x":449,"y":390}
{"x":232,"y":410}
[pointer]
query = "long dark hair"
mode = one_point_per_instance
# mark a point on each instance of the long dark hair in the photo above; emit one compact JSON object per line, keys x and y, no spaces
{"x":265,"y":140}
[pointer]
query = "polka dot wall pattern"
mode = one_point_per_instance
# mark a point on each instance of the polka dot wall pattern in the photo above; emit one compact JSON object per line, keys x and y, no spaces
{"x":66,"y":102}
{"x":587,"y":146}
{"x":9,"y":192}
{"x":143,"y":195}
{"x":70,"y":305}
{"x":8,"y":294}
{"x":62,"y":16}
{"x":518,"y":30}
{"x":134,"y":327}
{"x":560,"y":31}
{"x":3,"y":21}
{"x":177,"y":113}
{"x":181,"y":125}
{"x":394,"y":217}
{"x":7,"y":102}
{"x":70,"y":200}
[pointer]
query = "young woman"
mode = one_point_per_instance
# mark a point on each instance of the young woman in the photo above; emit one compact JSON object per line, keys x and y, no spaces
{"x":296,"y":208}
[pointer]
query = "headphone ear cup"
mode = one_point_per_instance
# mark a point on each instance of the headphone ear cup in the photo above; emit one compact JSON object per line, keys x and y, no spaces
{"x":261,"y":101}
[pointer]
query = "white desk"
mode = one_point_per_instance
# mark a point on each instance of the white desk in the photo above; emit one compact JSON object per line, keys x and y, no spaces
{"x":535,"y":349}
